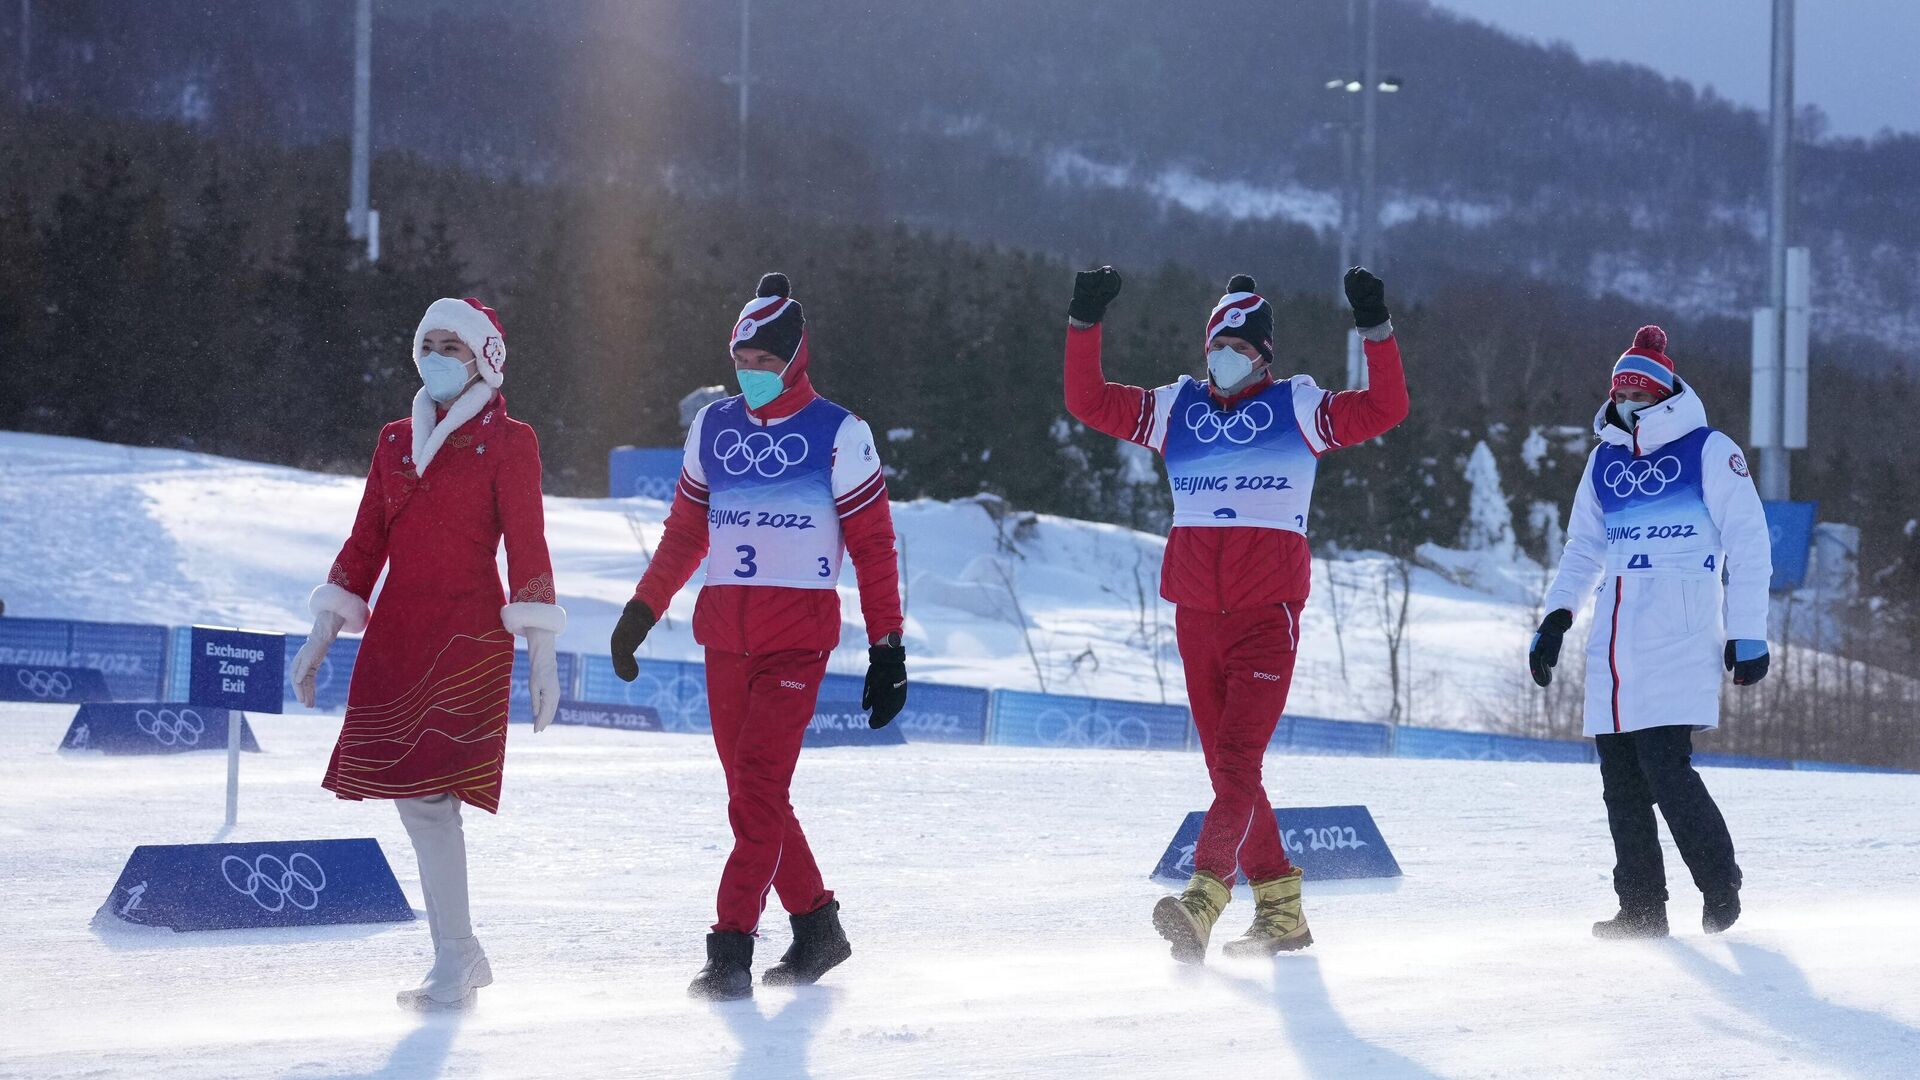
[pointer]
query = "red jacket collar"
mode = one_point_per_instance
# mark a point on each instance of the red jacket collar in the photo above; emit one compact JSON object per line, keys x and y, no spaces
{"x":1260,"y":385}
{"x":799,"y":392}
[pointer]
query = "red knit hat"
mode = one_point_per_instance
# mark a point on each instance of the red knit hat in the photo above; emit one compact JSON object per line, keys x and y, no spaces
{"x":1645,"y":366}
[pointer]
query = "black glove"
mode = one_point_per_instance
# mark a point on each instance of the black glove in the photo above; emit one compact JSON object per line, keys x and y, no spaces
{"x":1545,"y":651}
{"x":1749,"y":671}
{"x":886,"y":689}
{"x":1093,"y":290}
{"x":1367,"y":295}
{"x":635,"y":621}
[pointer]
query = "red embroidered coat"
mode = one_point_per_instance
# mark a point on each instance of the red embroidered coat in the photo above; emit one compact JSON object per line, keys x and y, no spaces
{"x":427,"y":707}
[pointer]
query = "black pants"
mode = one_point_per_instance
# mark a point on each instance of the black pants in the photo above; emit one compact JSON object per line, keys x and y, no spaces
{"x":1643,"y":769}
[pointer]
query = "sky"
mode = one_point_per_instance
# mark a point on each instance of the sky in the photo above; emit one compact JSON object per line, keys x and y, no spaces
{"x":1854,"y":57}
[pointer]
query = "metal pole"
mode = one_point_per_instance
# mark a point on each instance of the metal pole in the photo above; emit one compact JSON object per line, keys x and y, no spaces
{"x":26,"y":51}
{"x":746,"y":80}
{"x":1369,"y":214}
{"x":1356,"y":359}
{"x":1776,"y":458}
{"x":233,"y":766}
{"x":1369,"y":102}
{"x":362,"y":118}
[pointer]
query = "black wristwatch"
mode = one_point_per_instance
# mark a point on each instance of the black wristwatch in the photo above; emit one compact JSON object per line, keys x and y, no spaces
{"x":891,"y":641}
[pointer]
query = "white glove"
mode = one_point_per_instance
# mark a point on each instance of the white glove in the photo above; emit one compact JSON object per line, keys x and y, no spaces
{"x":543,"y":677}
{"x":306,"y":663}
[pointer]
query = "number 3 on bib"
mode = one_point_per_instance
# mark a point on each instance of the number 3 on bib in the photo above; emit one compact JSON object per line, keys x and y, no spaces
{"x":826,"y":567}
{"x":746,"y":568}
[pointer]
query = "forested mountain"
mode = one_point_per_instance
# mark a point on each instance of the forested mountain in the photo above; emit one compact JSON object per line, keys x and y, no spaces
{"x":174,"y":268}
{"x":1130,"y":130}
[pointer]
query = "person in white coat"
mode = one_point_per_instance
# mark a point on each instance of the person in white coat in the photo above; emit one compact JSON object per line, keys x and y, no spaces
{"x":1669,"y":537}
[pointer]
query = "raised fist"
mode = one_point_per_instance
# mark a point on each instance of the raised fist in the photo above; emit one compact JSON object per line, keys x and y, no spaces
{"x":1367,"y":295}
{"x":1093,"y":290}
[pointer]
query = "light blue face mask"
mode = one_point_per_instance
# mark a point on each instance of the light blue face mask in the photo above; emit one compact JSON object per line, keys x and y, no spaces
{"x":759,"y":387}
{"x":444,"y":376}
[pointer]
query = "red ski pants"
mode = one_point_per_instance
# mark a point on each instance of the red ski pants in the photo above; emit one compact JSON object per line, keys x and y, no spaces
{"x":761,"y":705}
{"x":1239,"y":666}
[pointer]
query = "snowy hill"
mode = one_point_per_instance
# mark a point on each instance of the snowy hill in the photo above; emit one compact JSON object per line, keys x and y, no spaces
{"x":994,"y":598}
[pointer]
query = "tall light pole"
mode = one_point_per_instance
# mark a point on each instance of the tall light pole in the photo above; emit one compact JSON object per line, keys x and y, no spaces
{"x":362,"y":223}
{"x":26,"y":51}
{"x":1780,"y":328}
{"x":744,"y":79}
{"x":1357,"y":240}
{"x":1775,"y":477}
{"x":1369,"y":108}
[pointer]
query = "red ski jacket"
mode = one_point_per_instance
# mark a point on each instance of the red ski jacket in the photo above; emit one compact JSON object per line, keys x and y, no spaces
{"x":767,"y":618}
{"x":1236,"y":567}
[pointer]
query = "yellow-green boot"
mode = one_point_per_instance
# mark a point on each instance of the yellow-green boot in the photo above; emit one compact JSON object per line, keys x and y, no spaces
{"x":1186,"y":921}
{"x":1278,"y":923}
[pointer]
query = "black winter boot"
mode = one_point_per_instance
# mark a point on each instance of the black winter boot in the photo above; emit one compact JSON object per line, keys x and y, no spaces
{"x":1721,"y":910}
{"x":1635,"y":921}
{"x":728,"y":975}
{"x":819,"y":945}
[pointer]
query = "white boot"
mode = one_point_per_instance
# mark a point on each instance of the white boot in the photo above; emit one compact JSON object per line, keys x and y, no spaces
{"x":459,"y":964}
{"x":459,"y":970}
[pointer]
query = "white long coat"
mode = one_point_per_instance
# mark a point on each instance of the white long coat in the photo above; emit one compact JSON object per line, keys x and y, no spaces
{"x":1668,"y":537}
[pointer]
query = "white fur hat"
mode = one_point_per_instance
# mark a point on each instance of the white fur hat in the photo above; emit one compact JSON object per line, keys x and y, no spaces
{"x":477,"y":325}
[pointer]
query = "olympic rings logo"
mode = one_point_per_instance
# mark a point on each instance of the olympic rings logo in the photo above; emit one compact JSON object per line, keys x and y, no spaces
{"x":170,"y":728}
{"x":654,"y":487}
{"x":759,"y":452}
{"x":1091,"y":731}
{"x":1238,"y":427}
{"x":45,"y":684}
{"x":274,"y":884}
{"x":1625,"y":478}
{"x":681,"y":701}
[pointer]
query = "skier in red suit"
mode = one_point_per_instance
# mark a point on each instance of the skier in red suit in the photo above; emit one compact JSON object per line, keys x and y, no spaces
{"x":779,"y":482}
{"x":426,"y":722}
{"x":1240,"y":449}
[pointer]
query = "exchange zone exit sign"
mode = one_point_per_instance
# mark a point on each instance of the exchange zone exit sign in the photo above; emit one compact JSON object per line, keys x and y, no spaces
{"x":236,"y":669}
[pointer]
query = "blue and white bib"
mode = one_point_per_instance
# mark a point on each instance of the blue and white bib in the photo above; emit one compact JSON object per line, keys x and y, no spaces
{"x":1656,"y":508}
{"x":771,"y":518}
{"x":1249,"y":467}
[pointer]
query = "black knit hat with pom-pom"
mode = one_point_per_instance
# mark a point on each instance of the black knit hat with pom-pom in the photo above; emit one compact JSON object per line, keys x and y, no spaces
{"x":772,"y":321}
{"x":1243,"y":313}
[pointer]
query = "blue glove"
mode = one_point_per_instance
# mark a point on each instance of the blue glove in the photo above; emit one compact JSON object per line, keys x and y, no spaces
{"x":1747,"y":659}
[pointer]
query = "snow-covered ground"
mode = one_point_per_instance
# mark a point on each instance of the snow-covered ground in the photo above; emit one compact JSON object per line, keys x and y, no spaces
{"x":97,"y":531}
{"x":997,"y":900}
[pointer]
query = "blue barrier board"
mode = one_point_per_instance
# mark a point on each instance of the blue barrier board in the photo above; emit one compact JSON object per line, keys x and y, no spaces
{"x":1312,"y":735}
{"x":160,"y":727}
{"x":330,"y":682}
{"x":596,"y":714}
{"x":243,"y":886}
{"x":1710,"y":760}
{"x":236,"y":669}
{"x":1326,"y":842}
{"x":935,"y":712}
{"x":132,"y":658}
{"x":520,"y":699}
{"x":648,"y":472}
{"x":1024,"y":719}
{"x":52,"y":685}
{"x":844,"y":723}
{"x":678,"y":691}
{"x":1417,"y":742}
{"x":1790,"y":533}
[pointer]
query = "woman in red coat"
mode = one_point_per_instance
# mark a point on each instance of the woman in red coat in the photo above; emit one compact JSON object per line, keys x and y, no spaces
{"x":1241,"y":449}
{"x":426,"y":722}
